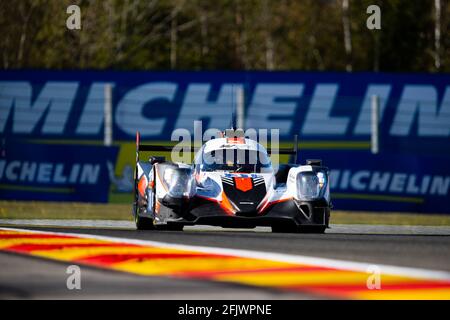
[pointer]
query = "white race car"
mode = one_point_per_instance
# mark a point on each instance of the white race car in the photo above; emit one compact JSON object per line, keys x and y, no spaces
{"x":231,"y":184}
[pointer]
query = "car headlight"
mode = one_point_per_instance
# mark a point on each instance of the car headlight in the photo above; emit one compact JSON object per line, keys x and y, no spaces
{"x":169,"y":175}
{"x":311,"y":185}
{"x":177,"y":182}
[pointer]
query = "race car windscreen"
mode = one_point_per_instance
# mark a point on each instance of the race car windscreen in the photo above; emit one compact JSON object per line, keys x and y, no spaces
{"x":236,"y":160}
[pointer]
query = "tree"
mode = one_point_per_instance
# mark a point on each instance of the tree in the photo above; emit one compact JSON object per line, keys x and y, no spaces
{"x":226,"y":35}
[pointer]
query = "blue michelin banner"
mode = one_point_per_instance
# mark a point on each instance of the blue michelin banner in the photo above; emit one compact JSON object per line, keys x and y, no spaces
{"x":386,"y":182}
{"x":55,"y":172}
{"x":414,"y":108}
{"x":329,"y":111}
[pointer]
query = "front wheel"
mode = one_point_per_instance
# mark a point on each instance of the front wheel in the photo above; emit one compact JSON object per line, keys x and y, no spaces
{"x":142,"y":223}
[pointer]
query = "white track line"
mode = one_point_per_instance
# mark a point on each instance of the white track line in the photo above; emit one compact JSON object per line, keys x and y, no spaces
{"x":127,"y":224}
{"x":75,"y":223}
{"x":281,"y":257}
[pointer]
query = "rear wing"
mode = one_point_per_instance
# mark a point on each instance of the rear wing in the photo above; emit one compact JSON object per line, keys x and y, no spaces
{"x":156,"y":148}
{"x":160,"y":148}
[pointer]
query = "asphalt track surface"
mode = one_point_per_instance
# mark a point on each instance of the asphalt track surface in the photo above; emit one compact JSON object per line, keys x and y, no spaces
{"x":34,"y":278}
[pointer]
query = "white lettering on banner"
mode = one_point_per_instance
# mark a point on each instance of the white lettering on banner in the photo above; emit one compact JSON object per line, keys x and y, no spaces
{"x":92,"y":117}
{"x":197,"y":106}
{"x":54,"y":100}
{"x":266,"y":110}
{"x":422,"y":100}
{"x":55,"y":173}
{"x":272,"y":105}
{"x":425,"y":184}
{"x":379,"y":182}
{"x":440,"y":185}
{"x":397,"y":182}
{"x":28,"y":171}
{"x":89,"y":173}
{"x":364,"y":180}
{"x":11,"y":172}
{"x":345,"y":179}
{"x":412,"y":187}
{"x":334,"y":178}
{"x":357,"y":182}
{"x":59,"y":175}
{"x":318,"y":119}
{"x":44,"y":173}
{"x":74,"y":173}
{"x":129,"y":114}
{"x":363,"y":124}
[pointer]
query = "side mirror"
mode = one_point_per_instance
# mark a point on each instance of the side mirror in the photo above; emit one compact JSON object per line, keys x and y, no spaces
{"x":314,"y":162}
{"x":154,"y":159}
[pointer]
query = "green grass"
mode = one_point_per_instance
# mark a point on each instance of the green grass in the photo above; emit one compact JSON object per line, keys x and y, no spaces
{"x":63,"y":210}
{"x":120,"y":211}
{"x":389,"y":218}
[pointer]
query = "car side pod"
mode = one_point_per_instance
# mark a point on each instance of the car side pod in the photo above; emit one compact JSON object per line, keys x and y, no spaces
{"x":316,"y":211}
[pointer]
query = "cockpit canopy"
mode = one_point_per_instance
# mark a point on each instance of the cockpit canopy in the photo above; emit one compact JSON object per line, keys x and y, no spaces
{"x":236,"y":160}
{"x":247,"y":157}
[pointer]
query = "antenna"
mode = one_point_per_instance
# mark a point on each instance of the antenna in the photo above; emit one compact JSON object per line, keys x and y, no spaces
{"x":237,"y":108}
{"x":232,"y":120}
{"x":240,"y":108}
{"x":295,"y":148}
{"x":233,"y":111}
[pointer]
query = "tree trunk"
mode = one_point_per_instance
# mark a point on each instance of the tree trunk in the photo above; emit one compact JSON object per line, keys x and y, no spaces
{"x":173,"y":40}
{"x":241,"y":37}
{"x":26,"y":13}
{"x":204,"y":33}
{"x":347,"y":34}
{"x":376,"y":54}
{"x":268,"y":36}
{"x":437,"y":34}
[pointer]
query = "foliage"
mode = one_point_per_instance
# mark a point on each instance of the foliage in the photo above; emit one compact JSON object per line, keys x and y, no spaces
{"x":223,"y":35}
